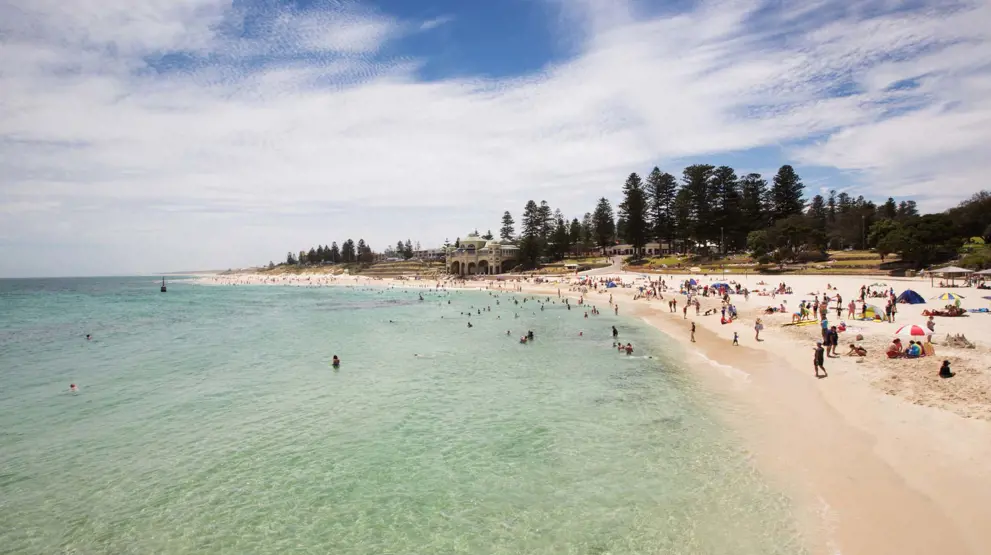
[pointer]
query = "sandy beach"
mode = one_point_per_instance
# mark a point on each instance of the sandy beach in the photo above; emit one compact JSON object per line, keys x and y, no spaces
{"x":883,"y":456}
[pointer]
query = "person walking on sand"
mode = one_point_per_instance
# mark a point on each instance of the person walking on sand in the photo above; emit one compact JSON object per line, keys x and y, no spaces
{"x":818,"y":359}
{"x":693,"y":332}
{"x":757,"y":329}
{"x":736,"y":339}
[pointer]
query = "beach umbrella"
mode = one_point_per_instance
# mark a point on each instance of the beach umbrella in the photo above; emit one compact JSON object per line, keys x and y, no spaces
{"x":910,"y":331}
{"x":949,"y":297}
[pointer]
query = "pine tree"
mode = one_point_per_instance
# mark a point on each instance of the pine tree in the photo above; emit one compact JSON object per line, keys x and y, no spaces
{"x":753,"y":198}
{"x":661,"y":189}
{"x":683,"y":217}
{"x":506,"y":231}
{"x":364,"y":252}
{"x":335,"y":253}
{"x":697,"y":181}
{"x":546,"y":224}
{"x":488,"y":235}
{"x":727,"y":216}
{"x":530,"y":238}
{"x":907,"y":210}
{"x":633,"y":210}
{"x":588,"y":232}
{"x":575,"y":236}
{"x":787,"y":194}
{"x":347,"y":252}
{"x":290,"y":259}
{"x":603,"y":225}
{"x":559,"y":238}
{"x":400,"y":249}
{"x":408,"y":250}
{"x":817,"y":212}
{"x":889,"y":210}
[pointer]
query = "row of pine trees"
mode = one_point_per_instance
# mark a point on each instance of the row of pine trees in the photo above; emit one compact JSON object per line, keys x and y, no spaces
{"x":348,"y":253}
{"x":709,"y":210}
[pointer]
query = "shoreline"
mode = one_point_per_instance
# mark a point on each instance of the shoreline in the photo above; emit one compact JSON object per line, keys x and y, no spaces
{"x":869,"y":471}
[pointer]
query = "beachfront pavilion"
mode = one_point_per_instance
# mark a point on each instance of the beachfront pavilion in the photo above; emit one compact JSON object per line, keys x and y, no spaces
{"x":477,"y":256}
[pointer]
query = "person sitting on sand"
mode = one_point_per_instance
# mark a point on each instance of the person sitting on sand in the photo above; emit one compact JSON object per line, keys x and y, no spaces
{"x":913,"y":350}
{"x":856,"y":351}
{"x":928,"y":350}
{"x":895,"y":349}
{"x":944,"y":370}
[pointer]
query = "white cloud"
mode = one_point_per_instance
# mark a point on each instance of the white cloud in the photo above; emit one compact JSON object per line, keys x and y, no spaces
{"x":436,"y":22}
{"x":234,"y":162}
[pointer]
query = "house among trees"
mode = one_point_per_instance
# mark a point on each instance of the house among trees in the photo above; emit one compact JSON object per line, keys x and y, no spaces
{"x":476,"y":255}
{"x":649,"y":249}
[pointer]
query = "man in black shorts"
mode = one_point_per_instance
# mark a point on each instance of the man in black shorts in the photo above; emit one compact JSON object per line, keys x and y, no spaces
{"x":818,"y":359}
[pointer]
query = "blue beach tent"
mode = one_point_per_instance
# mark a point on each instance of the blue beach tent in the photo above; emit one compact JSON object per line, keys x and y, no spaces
{"x":611,"y":284}
{"x":911,"y":297}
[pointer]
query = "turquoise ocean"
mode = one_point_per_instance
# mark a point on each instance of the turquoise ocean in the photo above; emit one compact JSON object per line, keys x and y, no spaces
{"x":209,"y":420}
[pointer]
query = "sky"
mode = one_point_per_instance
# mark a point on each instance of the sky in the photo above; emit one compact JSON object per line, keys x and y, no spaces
{"x":144,"y":136}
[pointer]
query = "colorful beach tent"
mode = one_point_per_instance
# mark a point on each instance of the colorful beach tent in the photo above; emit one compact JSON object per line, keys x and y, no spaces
{"x":910,"y":297}
{"x":872,"y":313}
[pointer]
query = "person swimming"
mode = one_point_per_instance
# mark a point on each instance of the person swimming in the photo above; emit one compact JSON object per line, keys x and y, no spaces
{"x":335,"y":362}
{"x":88,"y":337}
{"x":73,"y":388}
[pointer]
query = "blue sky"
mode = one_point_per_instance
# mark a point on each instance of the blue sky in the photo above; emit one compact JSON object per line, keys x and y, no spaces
{"x":152,"y":135}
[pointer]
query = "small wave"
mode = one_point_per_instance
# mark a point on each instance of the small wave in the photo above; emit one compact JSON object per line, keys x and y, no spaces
{"x":730,"y":371}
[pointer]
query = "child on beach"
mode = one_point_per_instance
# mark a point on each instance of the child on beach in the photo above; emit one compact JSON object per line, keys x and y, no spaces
{"x":736,"y":339}
{"x":693,"y":332}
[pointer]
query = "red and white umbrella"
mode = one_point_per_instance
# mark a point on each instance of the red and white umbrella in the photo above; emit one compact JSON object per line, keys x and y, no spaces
{"x":911,"y":331}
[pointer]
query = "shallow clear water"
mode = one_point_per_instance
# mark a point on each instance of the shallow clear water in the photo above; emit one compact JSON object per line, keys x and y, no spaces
{"x":209,"y":421}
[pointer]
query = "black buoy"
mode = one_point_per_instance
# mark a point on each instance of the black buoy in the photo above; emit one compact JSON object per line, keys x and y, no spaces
{"x":163,"y":285}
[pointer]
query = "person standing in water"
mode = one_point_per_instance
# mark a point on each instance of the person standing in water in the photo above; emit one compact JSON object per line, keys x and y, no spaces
{"x":693,"y":332}
{"x":335,"y":362}
{"x":615,"y":332}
